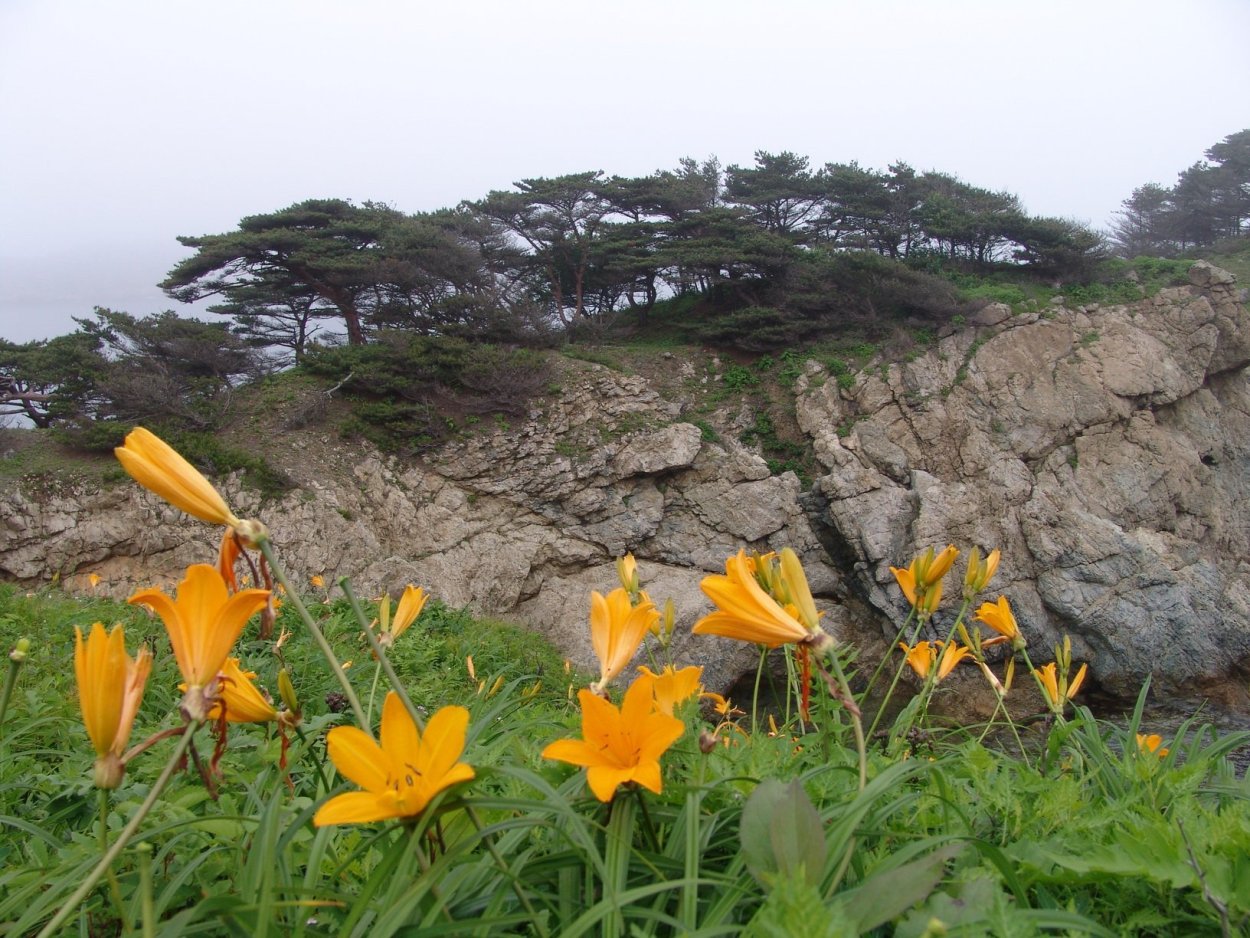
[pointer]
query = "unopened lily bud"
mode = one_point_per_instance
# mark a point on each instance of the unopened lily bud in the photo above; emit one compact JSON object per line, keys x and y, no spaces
{"x":627,"y":572}
{"x":21,"y":648}
{"x":927,"y":604}
{"x":939,"y":565}
{"x":286,"y":690}
{"x":980,"y":571}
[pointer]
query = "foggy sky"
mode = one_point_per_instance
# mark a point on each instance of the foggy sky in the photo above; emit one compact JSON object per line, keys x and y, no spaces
{"x":127,"y":123}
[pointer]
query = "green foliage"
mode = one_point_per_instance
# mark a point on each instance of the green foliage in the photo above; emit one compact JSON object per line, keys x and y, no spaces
{"x":738,"y":379}
{"x":766,"y":836}
{"x":753,"y":329}
{"x":781,"y":834}
{"x":409,"y":392}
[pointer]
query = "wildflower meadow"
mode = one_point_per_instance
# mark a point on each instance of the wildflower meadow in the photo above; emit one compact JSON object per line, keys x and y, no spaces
{"x":257,"y":753}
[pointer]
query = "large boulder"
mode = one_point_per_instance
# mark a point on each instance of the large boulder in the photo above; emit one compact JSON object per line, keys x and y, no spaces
{"x":1103,"y":449}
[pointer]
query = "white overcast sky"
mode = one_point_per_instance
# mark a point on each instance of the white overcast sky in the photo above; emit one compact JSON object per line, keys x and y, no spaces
{"x":128,"y":122}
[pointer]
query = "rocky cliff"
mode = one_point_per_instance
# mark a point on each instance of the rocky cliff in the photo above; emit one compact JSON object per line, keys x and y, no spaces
{"x":1105,"y":450}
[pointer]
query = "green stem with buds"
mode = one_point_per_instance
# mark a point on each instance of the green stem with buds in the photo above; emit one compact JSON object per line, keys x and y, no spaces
{"x":106,"y":862}
{"x":292,"y":595}
{"x":16,"y":659}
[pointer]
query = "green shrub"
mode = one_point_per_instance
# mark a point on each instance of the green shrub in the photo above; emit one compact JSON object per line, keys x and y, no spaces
{"x":410,"y":392}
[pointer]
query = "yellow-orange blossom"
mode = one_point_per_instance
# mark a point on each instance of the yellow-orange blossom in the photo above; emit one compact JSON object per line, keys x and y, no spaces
{"x":747,"y":612}
{"x":402,"y":775}
{"x":160,"y":469}
{"x":110,"y":687}
{"x":619,"y":746}
{"x":203,"y":622}
{"x":616,"y":630}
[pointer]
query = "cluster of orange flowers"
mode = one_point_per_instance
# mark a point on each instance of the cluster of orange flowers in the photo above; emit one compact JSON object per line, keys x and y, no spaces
{"x":921,"y":583}
{"x":203,"y":621}
{"x":760,"y":599}
{"x":763,"y":599}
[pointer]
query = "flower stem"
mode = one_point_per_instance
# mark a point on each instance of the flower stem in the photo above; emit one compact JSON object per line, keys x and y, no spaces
{"x":16,"y":658}
{"x":373,"y":690}
{"x":620,"y":836}
{"x":755,"y":693}
{"x":144,"y":851}
{"x":489,"y":841}
{"x":292,"y":594}
{"x":857,"y":723}
{"x":383,"y":662}
{"x":114,"y":889}
{"x":106,"y":862}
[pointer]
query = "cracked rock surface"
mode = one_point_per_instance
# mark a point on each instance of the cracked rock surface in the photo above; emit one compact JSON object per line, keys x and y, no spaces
{"x":1105,"y":450}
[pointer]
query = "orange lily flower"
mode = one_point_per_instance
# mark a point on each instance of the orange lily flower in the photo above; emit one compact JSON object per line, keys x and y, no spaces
{"x":1058,"y":690}
{"x":921,"y":581}
{"x":160,"y":469}
{"x":203,"y":622}
{"x":745,"y":611}
{"x":1151,"y":744}
{"x":923,"y":655}
{"x":406,"y":612}
{"x":671,"y":687}
{"x":616,"y":630}
{"x":619,"y":746}
{"x":999,"y":617}
{"x":110,"y":688}
{"x":239,"y":697}
{"x":401,"y":776}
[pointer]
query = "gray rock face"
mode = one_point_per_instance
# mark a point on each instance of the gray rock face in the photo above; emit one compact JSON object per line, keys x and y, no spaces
{"x":1105,"y":450}
{"x":520,"y":522}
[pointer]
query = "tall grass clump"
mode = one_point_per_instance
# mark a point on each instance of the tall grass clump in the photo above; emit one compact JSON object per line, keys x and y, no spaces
{"x":255,"y":753}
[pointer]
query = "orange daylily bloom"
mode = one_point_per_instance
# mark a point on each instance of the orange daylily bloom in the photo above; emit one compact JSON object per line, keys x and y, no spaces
{"x":906,"y":578}
{"x":406,"y":612}
{"x":616,"y":630}
{"x":159,"y":468}
{"x":745,"y":611}
{"x":671,"y":687}
{"x":1151,"y":744}
{"x":937,"y":567}
{"x":203,"y":622}
{"x":921,"y":581}
{"x":999,"y":617}
{"x":1058,"y":691}
{"x":619,"y":746}
{"x":401,"y":776}
{"x":239,"y":697}
{"x":110,"y":688}
{"x":923,"y":655}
